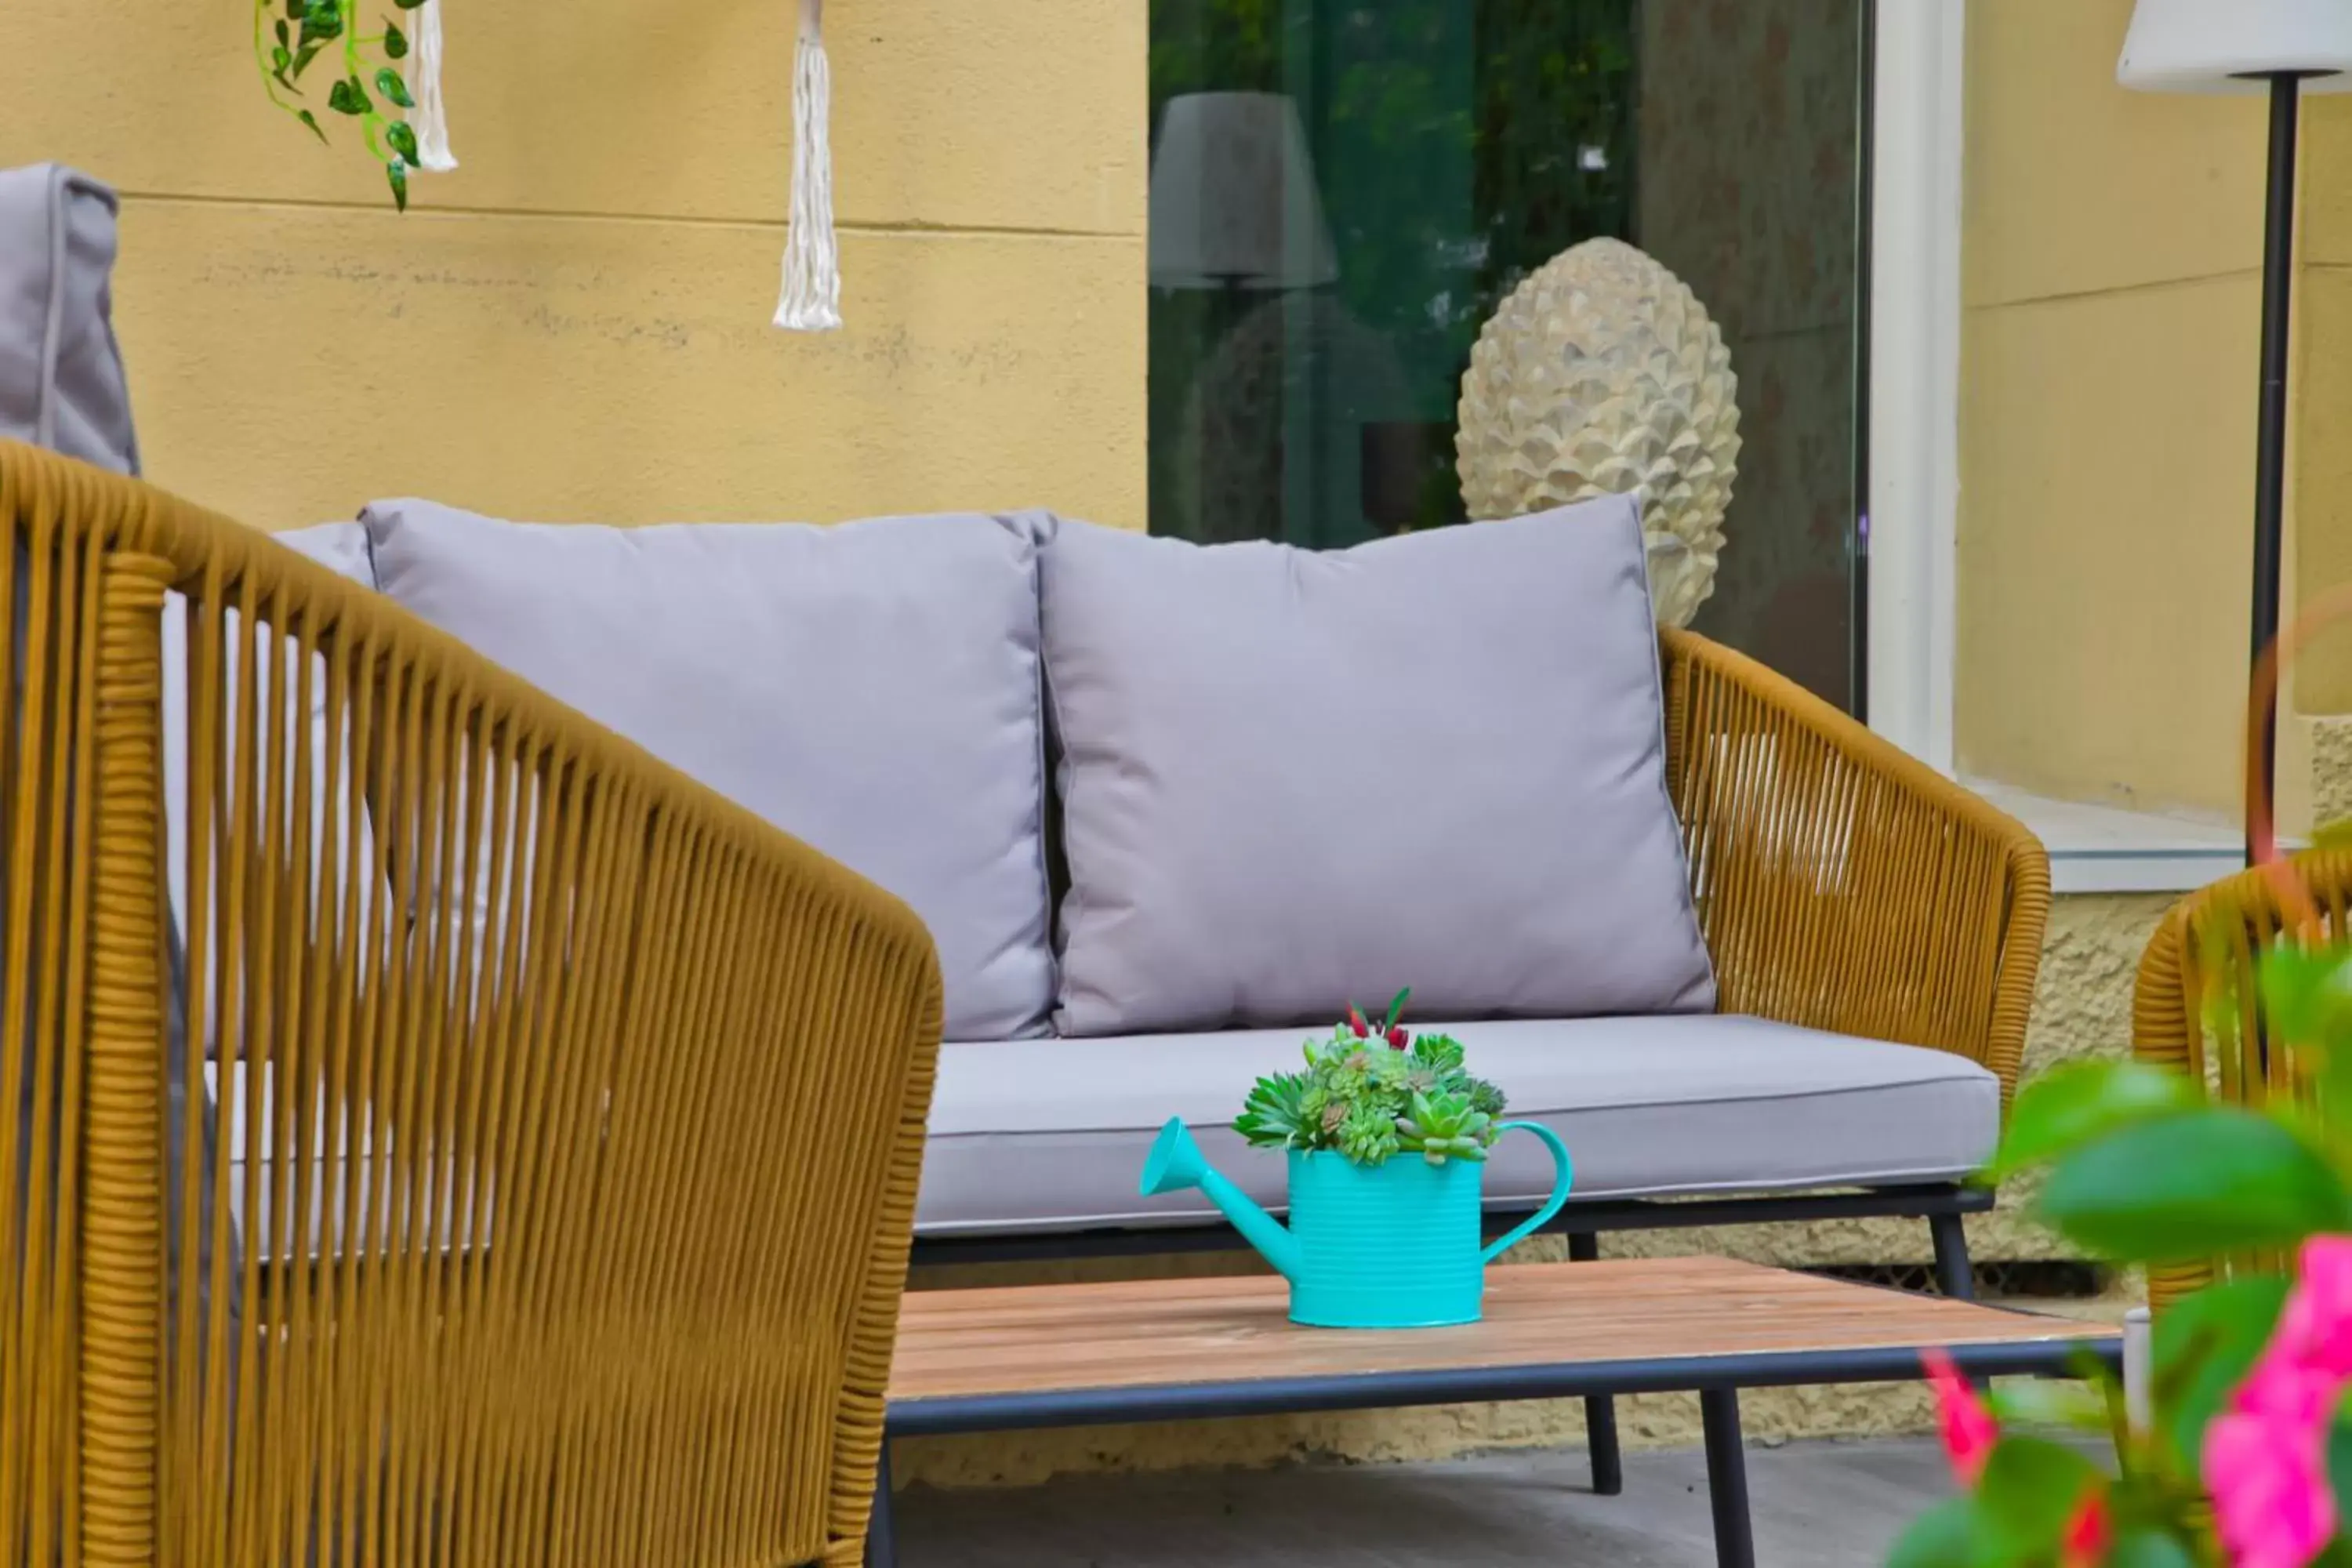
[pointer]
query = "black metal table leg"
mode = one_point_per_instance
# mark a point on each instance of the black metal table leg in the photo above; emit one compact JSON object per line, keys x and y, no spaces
{"x":1600,"y":1409}
{"x":881,"y":1531}
{"x":1726,"y":1477}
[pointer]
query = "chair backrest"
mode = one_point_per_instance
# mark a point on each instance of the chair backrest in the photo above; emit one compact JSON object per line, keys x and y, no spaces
{"x":582,"y":1243}
{"x":2195,"y":1008}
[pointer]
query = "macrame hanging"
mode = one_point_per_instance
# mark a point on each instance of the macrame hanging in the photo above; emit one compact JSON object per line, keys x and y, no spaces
{"x":811,"y":296}
{"x":430,"y":118}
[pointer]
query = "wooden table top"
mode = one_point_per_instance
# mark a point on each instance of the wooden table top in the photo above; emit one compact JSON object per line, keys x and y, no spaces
{"x":1046,"y":1339}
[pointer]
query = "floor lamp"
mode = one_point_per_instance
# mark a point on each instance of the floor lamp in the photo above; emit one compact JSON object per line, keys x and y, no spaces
{"x":2284,"y":48}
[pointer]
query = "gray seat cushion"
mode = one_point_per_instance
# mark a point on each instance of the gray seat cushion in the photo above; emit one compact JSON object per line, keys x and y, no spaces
{"x":1051,"y":1134}
{"x":871,"y":688}
{"x":1294,"y":780}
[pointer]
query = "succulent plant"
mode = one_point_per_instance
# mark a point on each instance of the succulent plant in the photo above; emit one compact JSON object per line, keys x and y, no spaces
{"x":1444,"y":1126}
{"x":1372,"y":1089}
{"x":1368,"y":1134}
{"x":1276,"y":1112}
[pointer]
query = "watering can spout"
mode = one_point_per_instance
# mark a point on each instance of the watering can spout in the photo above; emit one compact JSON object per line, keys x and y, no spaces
{"x":1175,"y":1163}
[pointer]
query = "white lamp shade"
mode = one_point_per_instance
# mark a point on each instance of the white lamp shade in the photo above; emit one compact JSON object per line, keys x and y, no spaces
{"x":1234,"y":202}
{"x":2230,"y":46}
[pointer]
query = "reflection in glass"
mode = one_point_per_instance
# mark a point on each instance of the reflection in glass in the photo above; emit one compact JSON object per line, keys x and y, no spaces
{"x":1342,"y":194}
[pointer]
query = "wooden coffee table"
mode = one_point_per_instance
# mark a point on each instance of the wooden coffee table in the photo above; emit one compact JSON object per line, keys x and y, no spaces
{"x":1074,"y":1355}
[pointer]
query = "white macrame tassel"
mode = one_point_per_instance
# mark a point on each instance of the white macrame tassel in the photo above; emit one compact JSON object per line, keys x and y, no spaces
{"x":430,"y":118}
{"x":811,"y":297}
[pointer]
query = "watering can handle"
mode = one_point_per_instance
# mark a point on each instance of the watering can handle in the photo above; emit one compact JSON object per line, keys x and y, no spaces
{"x":1552,"y":1205}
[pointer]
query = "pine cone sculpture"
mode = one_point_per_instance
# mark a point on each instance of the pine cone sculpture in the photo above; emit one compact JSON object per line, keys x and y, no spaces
{"x":1603,"y":374}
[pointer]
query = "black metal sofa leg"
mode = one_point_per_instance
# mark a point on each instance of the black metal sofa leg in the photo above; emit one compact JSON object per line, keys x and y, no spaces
{"x":1600,"y":1410}
{"x":1955,"y":1276}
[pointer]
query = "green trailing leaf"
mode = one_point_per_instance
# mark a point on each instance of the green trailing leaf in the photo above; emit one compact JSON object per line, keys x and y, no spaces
{"x":397,"y":174}
{"x":348,"y":97}
{"x":2193,"y":1185}
{"x":307,"y":118}
{"x":284,"y":38}
{"x":402,"y":138}
{"x":280,"y":59}
{"x":1949,"y":1535}
{"x":388,"y":82}
{"x":303,"y":56}
{"x":2073,"y":1103}
{"x":322,"y":24}
{"x":2202,"y":1347}
{"x":395,"y":42}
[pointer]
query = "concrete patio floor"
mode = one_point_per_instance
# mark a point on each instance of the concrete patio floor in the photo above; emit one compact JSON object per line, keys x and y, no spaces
{"x":1837,"y":1504}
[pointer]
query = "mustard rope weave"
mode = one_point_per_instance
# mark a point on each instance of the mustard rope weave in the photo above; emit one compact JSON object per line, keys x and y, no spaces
{"x":578,"y":1243}
{"x":1843,"y":885}
{"x":2208,"y":945}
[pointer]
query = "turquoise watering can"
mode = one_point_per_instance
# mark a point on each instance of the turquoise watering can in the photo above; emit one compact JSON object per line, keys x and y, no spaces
{"x":1393,"y":1245}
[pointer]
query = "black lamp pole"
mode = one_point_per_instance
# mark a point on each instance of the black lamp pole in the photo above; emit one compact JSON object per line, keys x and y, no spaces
{"x":2269,"y":437}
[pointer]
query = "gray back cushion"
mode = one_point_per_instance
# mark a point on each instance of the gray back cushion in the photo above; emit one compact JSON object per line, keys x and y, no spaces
{"x":871,"y":688}
{"x":341,"y":547}
{"x":1292,"y":780}
{"x":61,"y":381}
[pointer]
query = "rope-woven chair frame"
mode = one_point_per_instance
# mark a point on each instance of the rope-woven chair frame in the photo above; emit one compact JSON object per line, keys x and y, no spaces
{"x":556,"y":1202}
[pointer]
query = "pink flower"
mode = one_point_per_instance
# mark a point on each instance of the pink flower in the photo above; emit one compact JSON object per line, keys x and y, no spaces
{"x":2287,"y":1392}
{"x":2314,"y":1329}
{"x":2269,"y":1480}
{"x":2089,"y":1533}
{"x":1968,"y":1428}
{"x":2265,"y":1458}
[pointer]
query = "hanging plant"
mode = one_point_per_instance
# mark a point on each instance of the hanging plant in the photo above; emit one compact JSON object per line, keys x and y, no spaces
{"x":295,"y":40}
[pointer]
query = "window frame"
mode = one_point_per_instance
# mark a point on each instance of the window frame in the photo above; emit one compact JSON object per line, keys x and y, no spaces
{"x":1912,"y":506}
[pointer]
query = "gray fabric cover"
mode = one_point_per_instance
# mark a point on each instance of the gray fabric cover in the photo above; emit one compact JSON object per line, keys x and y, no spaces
{"x":1051,"y":1134}
{"x":341,"y":547}
{"x":871,"y":688}
{"x":1293,"y":780}
{"x":61,"y":380}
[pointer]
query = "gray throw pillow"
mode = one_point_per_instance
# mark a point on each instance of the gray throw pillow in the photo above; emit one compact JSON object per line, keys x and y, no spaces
{"x":1293,"y":780}
{"x":61,"y":381}
{"x":871,"y":688}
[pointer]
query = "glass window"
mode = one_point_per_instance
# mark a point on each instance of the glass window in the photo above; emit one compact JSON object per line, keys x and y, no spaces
{"x":1346,"y":193}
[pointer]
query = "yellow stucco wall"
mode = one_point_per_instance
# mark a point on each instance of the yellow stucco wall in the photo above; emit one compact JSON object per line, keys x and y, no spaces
{"x":2112,"y":245}
{"x":576,"y":325}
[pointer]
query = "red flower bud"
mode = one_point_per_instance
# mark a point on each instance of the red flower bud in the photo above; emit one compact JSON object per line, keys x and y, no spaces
{"x":1356,"y":1022}
{"x":1397,"y":1036}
